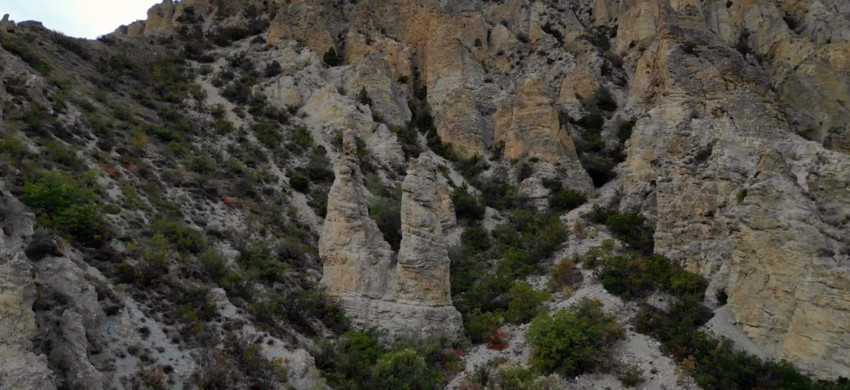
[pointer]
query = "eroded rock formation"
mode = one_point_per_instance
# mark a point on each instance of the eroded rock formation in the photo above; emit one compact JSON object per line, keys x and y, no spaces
{"x":404,"y":295}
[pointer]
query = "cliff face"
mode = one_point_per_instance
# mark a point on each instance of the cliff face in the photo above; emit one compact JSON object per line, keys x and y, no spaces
{"x":737,"y":195}
{"x":725,"y":123}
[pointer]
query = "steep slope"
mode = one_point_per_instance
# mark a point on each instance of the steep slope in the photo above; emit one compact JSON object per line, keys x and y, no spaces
{"x":228,"y":190}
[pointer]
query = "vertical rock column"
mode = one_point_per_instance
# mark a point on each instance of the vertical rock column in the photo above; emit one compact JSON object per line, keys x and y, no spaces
{"x":423,"y":260}
{"x":357,"y":259}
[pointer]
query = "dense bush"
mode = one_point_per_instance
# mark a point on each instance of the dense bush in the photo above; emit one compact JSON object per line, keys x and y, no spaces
{"x":184,"y":238}
{"x":632,"y":229}
{"x":404,"y":369}
{"x":499,"y":194}
{"x":524,"y":303}
{"x":299,"y":182}
{"x":566,"y":200}
{"x":357,"y":361}
{"x":268,"y":134}
{"x":318,"y":168}
{"x":409,"y":139}
{"x":480,"y":287}
{"x":386,"y":212}
{"x":527,"y":239}
{"x":260,"y":261}
{"x":331,"y":58}
{"x":573,"y":341}
{"x":467,"y":207}
{"x":67,"y":205}
{"x":632,"y":276}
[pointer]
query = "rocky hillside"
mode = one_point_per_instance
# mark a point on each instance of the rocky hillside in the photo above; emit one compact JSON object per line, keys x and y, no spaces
{"x":429,"y":194}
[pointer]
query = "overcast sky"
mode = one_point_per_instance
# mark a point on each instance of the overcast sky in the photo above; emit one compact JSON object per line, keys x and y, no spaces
{"x":78,"y":18}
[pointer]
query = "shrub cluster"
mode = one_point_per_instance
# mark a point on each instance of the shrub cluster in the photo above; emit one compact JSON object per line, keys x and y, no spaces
{"x":573,"y":341}
{"x":487,"y":293}
{"x":357,"y":361}
{"x":631,"y":277}
{"x":632,"y":229}
{"x":68,"y":205}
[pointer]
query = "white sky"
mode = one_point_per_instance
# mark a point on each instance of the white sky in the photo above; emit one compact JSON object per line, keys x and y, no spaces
{"x":78,"y":18}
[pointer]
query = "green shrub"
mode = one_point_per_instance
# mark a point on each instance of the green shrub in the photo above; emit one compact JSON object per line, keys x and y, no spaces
{"x":347,"y":363}
{"x":267,"y":133}
{"x":213,"y":264}
{"x":573,"y":341}
{"x":499,"y":194}
{"x":529,"y":238}
{"x":61,"y":155}
{"x":409,"y":139}
{"x":357,"y":361}
{"x":467,"y":207}
{"x":331,"y":58}
{"x":261,"y":262}
{"x":475,"y":240}
{"x":318,"y":168}
{"x":156,"y":252}
{"x":13,"y":149}
{"x":741,"y":195}
{"x":299,"y":182}
{"x":202,"y":165}
{"x":566,"y":200}
{"x":525,"y":302}
{"x":387,"y":214}
{"x":716,"y":363}
{"x":300,"y":139}
{"x":633,"y":230}
{"x":363,"y":97}
{"x":480,"y":327}
{"x":516,"y":377}
{"x":67,"y":205}
{"x":630,"y":375}
{"x":184,"y":238}
{"x":403,"y":369}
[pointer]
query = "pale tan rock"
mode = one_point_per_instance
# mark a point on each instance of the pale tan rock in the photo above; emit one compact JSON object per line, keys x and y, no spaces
{"x":580,"y":83}
{"x":404,"y":299}
{"x":389,"y":103}
{"x":527,"y":123}
{"x":358,"y":262}
{"x":776,"y":255}
{"x":423,"y":259}
{"x":301,"y":21}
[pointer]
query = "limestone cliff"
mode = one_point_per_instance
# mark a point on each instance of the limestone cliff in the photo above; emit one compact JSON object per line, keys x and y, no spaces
{"x":736,"y":194}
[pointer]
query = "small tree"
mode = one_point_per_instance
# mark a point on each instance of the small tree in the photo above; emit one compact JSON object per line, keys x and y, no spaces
{"x":363,"y":97}
{"x":331,"y":58}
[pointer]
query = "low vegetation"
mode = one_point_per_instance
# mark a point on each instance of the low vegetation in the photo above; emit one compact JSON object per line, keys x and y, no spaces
{"x":68,"y":205}
{"x":573,"y":341}
{"x":357,"y":361}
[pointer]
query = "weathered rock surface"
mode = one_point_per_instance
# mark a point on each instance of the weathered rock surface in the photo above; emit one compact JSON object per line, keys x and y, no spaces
{"x":737,"y":195}
{"x":357,"y":260}
{"x":20,"y":368}
{"x":527,"y":123}
{"x":404,"y":298}
{"x":423,"y":261}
